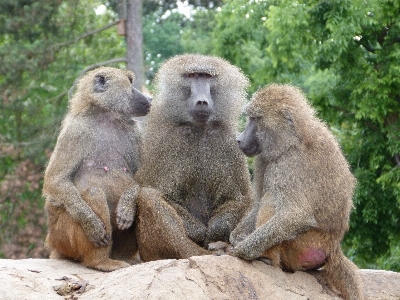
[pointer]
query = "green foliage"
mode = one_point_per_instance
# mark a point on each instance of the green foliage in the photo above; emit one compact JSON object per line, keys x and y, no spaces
{"x":161,"y":40}
{"x":196,"y":37}
{"x":240,"y":37}
{"x":150,"y":6}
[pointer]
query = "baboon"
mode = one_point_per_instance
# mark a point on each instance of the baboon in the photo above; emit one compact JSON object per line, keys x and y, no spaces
{"x":303,"y":190}
{"x":196,"y":185}
{"x":88,"y":183}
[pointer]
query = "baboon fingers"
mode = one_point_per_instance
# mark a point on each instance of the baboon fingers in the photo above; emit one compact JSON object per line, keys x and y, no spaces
{"x":220,"y":248}
{"x":124,"y":223}
{"x":126,"y":207}
{"x":265,"y":260}
{"x":245,"y":251}
{"x":125,"y":218}
{"x":235,"y":239}
{"x":96,"y":232}
{"x":102,"y":241}
{"x":217,"y":246}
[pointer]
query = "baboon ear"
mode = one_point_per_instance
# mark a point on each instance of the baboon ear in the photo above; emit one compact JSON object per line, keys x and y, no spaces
{"x":100,"y":83}
{"x":289,"y":118}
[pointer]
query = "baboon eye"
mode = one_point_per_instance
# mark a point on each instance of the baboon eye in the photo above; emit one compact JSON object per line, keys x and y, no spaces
{"x":130,"y":79}
{"x":197,"y":75}
{"x":100,"y":83}
{"x":102,"y":79}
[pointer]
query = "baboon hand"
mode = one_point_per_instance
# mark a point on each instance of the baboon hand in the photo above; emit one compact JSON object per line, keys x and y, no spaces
{"x":96,"y":232}
{"x":245,"y":251}
{"x":126,"y":208}
{"x":237,"y":238}
{"x":125,"y":216}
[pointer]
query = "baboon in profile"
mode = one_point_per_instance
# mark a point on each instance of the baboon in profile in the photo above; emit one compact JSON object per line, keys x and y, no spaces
{"x":303,"y":190}
{"x":88,"y":184}
{"x":196,"y":185}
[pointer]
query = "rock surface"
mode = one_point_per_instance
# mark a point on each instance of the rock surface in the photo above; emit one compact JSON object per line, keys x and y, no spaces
{"x":200,"y":277}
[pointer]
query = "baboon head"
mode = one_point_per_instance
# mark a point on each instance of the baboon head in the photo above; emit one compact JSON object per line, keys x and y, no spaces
{"x":199,"y":89}
{"x":110,"y":89}
{"x":276,"y":121}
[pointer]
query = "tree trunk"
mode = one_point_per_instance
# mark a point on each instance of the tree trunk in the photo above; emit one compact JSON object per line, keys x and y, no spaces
{"x":134,"y":40}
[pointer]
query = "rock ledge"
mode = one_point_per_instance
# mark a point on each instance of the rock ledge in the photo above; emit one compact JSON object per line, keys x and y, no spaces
{"x":199,"y":277}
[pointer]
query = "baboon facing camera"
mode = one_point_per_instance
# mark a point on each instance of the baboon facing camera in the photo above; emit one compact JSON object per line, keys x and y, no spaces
{"x":303,"y":190}
{"x":88,"y":184}
{"x":195,"y":178}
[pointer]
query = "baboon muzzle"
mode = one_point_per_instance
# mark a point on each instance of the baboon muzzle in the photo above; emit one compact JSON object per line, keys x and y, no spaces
{"x":201,"y":104}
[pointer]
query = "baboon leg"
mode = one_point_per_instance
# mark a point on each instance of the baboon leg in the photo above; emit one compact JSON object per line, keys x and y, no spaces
{"x":160,"y":230}
{"x":67,"y":238}
{"x":99,"y":260}
{"x":125,"y":245}
{"x":273,"y":255}
{"x":99,"y":257}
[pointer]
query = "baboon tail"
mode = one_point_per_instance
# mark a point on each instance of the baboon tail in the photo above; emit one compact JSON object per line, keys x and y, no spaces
{"x":342,"y":274}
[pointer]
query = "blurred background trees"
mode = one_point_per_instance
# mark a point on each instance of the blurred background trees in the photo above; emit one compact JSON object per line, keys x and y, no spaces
{"x":344,"y":54}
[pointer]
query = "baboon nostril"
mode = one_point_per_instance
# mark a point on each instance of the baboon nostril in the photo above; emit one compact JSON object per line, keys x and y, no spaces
{"x":200,"y":102}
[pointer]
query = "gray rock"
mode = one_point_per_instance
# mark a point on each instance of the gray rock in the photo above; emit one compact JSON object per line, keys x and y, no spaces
{"x":200,"y":277}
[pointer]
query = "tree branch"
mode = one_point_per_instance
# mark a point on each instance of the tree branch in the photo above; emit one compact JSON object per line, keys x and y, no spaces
{"x":84,"y":35}
{"x":397,"y":159}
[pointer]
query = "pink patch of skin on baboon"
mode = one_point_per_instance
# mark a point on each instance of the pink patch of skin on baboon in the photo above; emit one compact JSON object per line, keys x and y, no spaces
{"x":312,"y":258}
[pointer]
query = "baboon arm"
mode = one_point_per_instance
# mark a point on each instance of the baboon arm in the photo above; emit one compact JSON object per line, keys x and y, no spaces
{"x":58,"y":186}
{"x":281,"y":227}
{"x":60,"y":190}
{"x":126,"y":207}
{"x":225,"y":220}
{"x":246,"y":226}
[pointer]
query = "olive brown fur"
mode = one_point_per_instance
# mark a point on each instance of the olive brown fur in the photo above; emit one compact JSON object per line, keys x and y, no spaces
{"x":88,"y":185}
{"x":196,"y":185}
{"x":303,"y":190}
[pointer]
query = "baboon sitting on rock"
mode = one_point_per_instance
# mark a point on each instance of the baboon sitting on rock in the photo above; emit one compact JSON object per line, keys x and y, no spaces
{"x":303,"y":190}
{"x":196,"y":185}
{"x":88,"y":184}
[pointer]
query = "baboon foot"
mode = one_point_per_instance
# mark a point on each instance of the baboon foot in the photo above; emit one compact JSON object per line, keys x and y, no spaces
{"x":54,"y":254}
{"x":220,"y":248}
{"x":265,"y":260}
{"x":107,"y":265}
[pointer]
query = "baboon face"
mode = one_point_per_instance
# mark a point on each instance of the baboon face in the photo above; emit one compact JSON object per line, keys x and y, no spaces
{"x":200,"y":101}
{"x":271,"y":128}
{"x":248,"y":140}
{"x":113,"y":90}
{"x":198,"y":90}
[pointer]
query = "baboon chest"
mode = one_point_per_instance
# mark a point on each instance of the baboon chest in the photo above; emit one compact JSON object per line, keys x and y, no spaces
{"x":200,"y":192}
{"x":113,"y":148}
{"x":199,"y":182}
